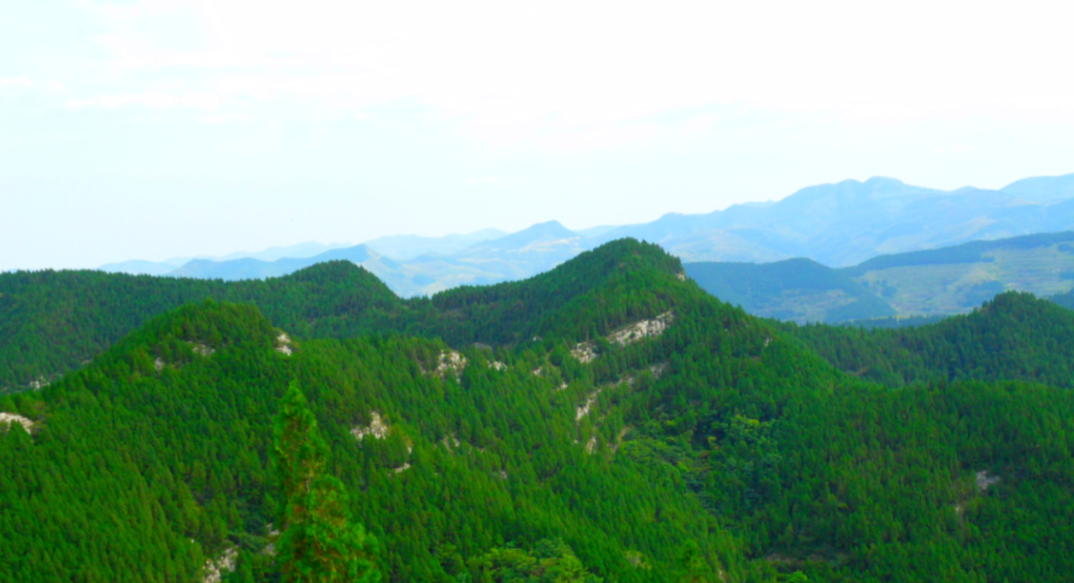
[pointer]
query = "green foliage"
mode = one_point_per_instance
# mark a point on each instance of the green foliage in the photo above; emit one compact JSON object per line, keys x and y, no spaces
{"x":551,"y":561}
{"x":319,"y":541}
{"x":727,"y":448}
{"x":52,"y":322}
{"x":1013,"y":337}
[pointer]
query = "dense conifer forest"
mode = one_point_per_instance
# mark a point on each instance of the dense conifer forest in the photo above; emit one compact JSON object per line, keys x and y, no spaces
{"x":605,"y":421}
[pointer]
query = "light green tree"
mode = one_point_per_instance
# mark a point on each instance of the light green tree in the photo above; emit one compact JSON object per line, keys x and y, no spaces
{"x":319,"y":541}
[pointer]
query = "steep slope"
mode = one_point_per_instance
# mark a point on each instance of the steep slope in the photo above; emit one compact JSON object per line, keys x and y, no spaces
{"x":798,"y":290}
{"x":641,"y":415}
{"x":51,"y":322}
{"x":161,"y":446}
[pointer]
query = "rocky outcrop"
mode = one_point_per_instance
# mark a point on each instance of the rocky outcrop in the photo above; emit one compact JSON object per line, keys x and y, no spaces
{"x":984,"y":481}
{"x":583,"y":352}
{"x":215,"y":568}
{"x":283,"y":344}
{"x":583,"y":410}
{"x":376,"y":428}
{"x":641,"y":330}
{"x":7,"y":419}
{"x":450,"y":361}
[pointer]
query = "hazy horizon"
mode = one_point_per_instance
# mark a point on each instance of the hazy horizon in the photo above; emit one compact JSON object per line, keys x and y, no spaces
{"x":159,"y":128}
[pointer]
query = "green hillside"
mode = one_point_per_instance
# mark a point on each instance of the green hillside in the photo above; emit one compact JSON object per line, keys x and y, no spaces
{"x":53,"y":321}
{"x":799,"y":290}
{"x":1013,"y":337}
{"x":957,"y":279}
{"x":604,"y":421}
{"x":906,"y":286}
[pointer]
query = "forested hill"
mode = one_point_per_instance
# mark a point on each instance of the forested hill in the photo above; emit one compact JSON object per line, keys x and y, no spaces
{"x":53,"y":321}
{"x":606,"y":421}
{"x":930,"y":283}
{"x":1016,"y":336}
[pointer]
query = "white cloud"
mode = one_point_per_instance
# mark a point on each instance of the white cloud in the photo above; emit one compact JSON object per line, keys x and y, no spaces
{"x":600,"y":61}
{"x":153,"y":99}
{"x":23,"y":82}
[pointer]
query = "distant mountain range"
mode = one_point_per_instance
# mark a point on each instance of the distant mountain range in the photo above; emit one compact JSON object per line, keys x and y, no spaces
{"x":936,"y":282}
{"x":837,"y":225}
{"x":166,"y":267}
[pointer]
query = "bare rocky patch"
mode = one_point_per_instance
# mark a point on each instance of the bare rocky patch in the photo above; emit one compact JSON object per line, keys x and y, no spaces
{"x":451,"y":442}
{"x":39,"y":383}
{"x":225,"y":563}
{"x":583,"y":352}
{"x":450,"y":361}
{"x":202,"y":349}
{"x":641,"y":330}
{"x":583,"y":410}
{"x":283,"y":344}
{"x":984,"y":481}
{"x":376,"y":428}
{"x":7,"y":419}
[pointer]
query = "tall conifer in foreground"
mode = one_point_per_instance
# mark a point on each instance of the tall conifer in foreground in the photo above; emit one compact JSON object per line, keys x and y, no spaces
{"x":319,"y":542}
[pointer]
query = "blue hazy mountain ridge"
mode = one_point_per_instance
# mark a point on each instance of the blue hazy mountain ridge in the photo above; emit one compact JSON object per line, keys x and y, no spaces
{"x":248,"y":268}
{"x":838,"y":225}
{"x":404,"y":247}
{"x":845,"y":223}
{"x":935,"y":282}
{"x":527,"y":252}
{"x":143,"y":267}
{"x":799,"y":289}
{"x":1043,"y":188}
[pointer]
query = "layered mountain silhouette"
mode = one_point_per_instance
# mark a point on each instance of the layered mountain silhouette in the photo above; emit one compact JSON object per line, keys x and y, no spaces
{"x":936,"y":282}
{"x":837,"y":225}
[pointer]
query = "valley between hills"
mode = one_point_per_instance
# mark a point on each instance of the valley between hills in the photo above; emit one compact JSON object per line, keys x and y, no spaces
{"x":606,"y":420}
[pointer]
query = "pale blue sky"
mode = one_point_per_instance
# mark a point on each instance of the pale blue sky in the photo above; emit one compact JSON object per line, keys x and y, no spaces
{"x":150,"y":129}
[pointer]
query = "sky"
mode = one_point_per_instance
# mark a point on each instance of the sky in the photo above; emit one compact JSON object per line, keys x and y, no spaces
{"x":147,"y":129}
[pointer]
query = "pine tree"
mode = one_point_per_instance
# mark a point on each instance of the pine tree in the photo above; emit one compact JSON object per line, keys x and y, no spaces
{"x":319,"y":541}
